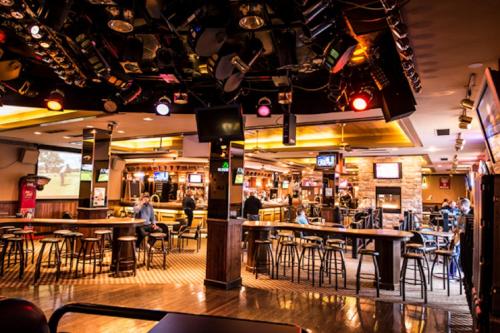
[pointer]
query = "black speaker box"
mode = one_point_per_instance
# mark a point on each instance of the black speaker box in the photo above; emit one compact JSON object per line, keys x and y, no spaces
{"x":289,"y":129}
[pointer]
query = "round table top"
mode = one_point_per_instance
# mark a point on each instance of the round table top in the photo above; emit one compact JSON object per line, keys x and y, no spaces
{"x":112,"y":222}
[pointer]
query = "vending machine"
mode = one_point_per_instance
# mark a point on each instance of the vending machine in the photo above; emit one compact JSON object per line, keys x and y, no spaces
{"x":28,"y":185}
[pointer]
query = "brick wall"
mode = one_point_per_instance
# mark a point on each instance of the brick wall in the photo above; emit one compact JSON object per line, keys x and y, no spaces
{"x":411,"y":184}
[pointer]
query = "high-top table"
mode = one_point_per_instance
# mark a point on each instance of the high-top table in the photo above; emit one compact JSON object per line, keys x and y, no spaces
{"x":120,"y":226}
{"x":387,"y":243}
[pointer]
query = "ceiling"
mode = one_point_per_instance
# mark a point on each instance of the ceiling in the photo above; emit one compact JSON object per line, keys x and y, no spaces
{"x":450,"y":40}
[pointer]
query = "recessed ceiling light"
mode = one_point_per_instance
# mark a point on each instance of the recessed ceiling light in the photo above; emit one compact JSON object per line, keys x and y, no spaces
{"x":394,"y":149}
{"x":120,"y":131}
{"x":475,"y":65}
{"x":148,"y":119}
{"x":440,"y":166}
{"x":66,"y":137}
{"x":89,"y":126}
{"x":37,"y":133}
{"x":432,"y":149}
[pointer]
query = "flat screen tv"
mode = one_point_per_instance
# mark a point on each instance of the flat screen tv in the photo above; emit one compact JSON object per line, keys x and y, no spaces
{"x":160,"y":176}
{"x":103,"y":175}
{"x":389,"y":170}
{"x":222,"y":123}
{"x":194,"y":178}
{"x":326,"y":161}
{"x":86,"y":173}
{"x":285,"y":184}
{"x":488,"y":111}
{"x":239,"y":176}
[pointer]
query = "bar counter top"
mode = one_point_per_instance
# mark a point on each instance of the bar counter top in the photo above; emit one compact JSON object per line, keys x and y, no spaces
{"x":175,"y":205}
{"x":113,"y":222}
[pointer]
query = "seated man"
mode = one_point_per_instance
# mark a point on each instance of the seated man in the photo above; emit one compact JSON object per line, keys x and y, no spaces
{"x":301,"y":217}
{"x":144,"y":210}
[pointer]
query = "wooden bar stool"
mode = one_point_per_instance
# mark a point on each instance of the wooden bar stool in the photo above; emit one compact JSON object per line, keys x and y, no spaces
{"x":359,"y":275}
{"x":128,"y":260}
{"x":87,"y":252}
{"x":418,"y":258}
{"x":54,"y":245}
{"x":103,"y":235}
{"x":330,"y":261}
{"x":12,"y":243}
{"x":68,"y":248}
{"x":28,"y":237}
{"x":308,"y":254}
{"x":157,"y":237}
{"x":267,"y":246}
{"x":288,"y":255}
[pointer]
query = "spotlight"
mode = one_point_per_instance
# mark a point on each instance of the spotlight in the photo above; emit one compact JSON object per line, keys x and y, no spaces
{"x":285,"y":97}
{"x":55,"y":100}
{"x":264,"y":107}
{"x":35,"y":31}
{"x":465,"y":121}
{"x":120,"y":20}
{"x":163,"y":106}
{"x":467,"y":103}
{"x":252,"y":16}
{"x":111,"y":104}
{"x":338,"y":53}
{"x":181,"y":97}
{"x":361,"y":100}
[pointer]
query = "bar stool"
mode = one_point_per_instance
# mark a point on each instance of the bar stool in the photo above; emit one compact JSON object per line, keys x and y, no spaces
{"x":309,"y":251}
{"x":329,"y":259}
{"x":336,"y":242}
{"x":128,"y":260}
{"x":267,"y":246}
{"x":157,"y":237}
{"x":68,"y":248}
{"x":103,"y":235}
{"x":27,"y":236}
{"x":359,"y":275}
{"x":281,"y":237}
{"x":60,"y":233}
{"x":288,"y":254}
{"x":419,"y":249}
{"x":448,"y":257}
{"x":5,"y":228}
{"x":418,"y":258}
{"x":11,"y":242}
{"x":87,"y":252}
{"x":54,"y":244}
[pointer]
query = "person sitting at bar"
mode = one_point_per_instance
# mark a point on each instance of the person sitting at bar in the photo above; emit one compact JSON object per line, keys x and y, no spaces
{"x":445,"y":203}
{"x":189,"y":205}
{"x":251,"y":207}
{"x":144,"y":210}
{"x":453,"y":209}
{"x":465,"y":207}
{"x":466,"y":210}
{"x":301,"y":216}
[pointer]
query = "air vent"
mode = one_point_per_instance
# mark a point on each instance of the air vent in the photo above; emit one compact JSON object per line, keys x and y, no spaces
{"x":444,"y":158}
{"x":443,"y":132}
{"x":56,"y":131}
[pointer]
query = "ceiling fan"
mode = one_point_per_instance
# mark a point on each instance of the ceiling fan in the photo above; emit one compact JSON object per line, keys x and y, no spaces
{"x":161,"y":148}
{"x":343,"y":145}
{"x":256,"y":149}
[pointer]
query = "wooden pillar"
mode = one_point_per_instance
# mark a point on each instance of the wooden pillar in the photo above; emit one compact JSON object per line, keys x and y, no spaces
{"x":225,"y":199}
{"x":94,"y":174}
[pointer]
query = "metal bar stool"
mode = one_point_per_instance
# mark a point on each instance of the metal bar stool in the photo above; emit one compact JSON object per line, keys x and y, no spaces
{"x":127,"y":260}
{"x":13,"y":244}
{"x":329,"y":260}
{"x":27,"y":236}
{"x":308,"y":254}
{"x":68,"y":248}
{"x":267,"y":246}
{"x":87,"y":252}
{"x":419,"y":249}
{"x":5,"y":246}
{"x":54,"y":243}
{"x":359,"y":275}
{"x":157,"y":237}
{"x":103,"y":235}
{"x":5,"y":228}
{"x":288,"y":255}
{"x":448,"y":256}
{"x":418,"y":258}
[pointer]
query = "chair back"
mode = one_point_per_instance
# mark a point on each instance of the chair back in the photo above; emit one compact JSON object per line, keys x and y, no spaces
{"x":18,"y":315}
{"x":446,"y":221}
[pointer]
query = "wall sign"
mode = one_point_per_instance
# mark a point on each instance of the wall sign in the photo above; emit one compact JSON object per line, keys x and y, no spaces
{"x":224,"y":167}
{"x":445,"y":183}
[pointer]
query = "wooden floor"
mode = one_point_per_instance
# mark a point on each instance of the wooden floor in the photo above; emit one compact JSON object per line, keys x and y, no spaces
{"x":312,"y":311}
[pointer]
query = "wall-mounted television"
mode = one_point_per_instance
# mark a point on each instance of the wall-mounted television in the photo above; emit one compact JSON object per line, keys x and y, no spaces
{"x":488,"y":110}
{"x":103,"y":175}
{"x":285,"y":184}
{"x":195,"y":178}
{"x":388,"y":170}
{"x":220,"y":123}
{"x":160,"y":176}
{"x":86,"y":173}
{"x":326,"y":161}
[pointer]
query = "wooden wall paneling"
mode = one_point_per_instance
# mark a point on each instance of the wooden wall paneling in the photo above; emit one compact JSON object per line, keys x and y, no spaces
{"x":8,"y":208}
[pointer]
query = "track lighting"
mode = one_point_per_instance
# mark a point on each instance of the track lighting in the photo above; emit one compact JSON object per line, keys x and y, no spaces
{"x":264,"y":107}
{"x":465,"y":122}
{"x":361,"y":101}
{"x":120,"y":19}
{"x":467,"y":103}
{"x":35,"y":31}
{"x":252,"y":16}
{"x":55,"y":100}
{"x":163,"y":106}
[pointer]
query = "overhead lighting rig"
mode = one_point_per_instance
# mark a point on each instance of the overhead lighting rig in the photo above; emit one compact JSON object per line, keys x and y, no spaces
{"x":264,"y":107}
{"x":465,"y":121}
{"x":252,"y":15}
{"x":55,"y":100}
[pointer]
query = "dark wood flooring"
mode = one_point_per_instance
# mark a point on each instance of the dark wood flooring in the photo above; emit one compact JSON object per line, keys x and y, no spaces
{"x":310,"y":310}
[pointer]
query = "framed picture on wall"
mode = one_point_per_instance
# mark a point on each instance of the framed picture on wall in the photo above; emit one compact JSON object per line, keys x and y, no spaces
{"x":444,"y":182}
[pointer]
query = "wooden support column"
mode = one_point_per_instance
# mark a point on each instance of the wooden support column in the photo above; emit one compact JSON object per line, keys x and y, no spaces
{"x":225,"y":200}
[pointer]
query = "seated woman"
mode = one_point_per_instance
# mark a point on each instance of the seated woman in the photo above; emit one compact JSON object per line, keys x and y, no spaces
{"x":301,"y":217}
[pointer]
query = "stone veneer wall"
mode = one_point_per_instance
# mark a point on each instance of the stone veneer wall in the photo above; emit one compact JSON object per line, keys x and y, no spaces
{"x":411,"y":184}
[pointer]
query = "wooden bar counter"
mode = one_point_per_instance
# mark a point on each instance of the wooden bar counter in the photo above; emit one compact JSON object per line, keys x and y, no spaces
{"x":387,"y":243}
{"x":120,"y":226}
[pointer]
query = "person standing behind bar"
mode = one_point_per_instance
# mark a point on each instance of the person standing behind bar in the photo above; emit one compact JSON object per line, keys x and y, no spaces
{"x":189,"y":206}
{"x":144,"y":210}
{"x":251,"y":207}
